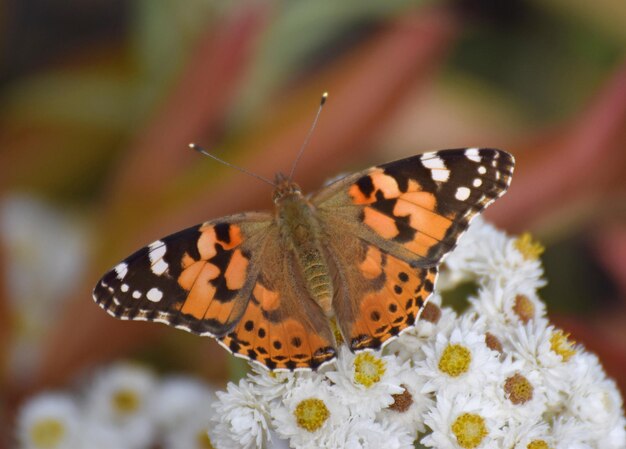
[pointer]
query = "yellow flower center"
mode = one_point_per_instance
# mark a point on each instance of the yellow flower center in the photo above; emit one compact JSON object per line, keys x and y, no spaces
{"x":538,"y":444}
{"x":47,"y":433}
{"x":203,"y":440}
{"x":311,"y":414}
{"x":518,"y":389}
{"x":469,"y":430}
{"x":125,"y":401}
{"x":530,"y":249}
{"x":368,"y":369}
{"x":524,"y":308}
{"x":560,"y":343}
{"x":455,"y":360}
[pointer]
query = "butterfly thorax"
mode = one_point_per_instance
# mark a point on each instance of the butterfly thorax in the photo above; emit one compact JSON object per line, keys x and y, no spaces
{"x":300,"y":232}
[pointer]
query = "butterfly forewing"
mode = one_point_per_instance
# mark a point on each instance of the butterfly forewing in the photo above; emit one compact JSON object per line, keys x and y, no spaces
{"x":198,"y":279}
{"x":408,"y":215}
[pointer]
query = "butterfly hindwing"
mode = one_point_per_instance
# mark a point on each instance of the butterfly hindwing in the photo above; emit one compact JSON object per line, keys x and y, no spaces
{"x":282,"y":327}
{"x":198,"y":279}
{"x":409,"y":214}
{"x":378,"y":295}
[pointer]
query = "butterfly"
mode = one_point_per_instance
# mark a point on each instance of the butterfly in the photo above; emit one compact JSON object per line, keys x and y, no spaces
{"x":361,"y":255}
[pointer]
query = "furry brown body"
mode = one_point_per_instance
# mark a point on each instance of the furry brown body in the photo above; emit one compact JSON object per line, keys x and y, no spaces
{"x":302,"y":234}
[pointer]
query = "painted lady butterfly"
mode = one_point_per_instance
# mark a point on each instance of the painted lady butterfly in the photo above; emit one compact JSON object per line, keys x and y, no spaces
{"x":362,"y":252}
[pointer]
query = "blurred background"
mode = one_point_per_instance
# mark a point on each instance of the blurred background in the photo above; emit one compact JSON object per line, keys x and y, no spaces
{"x":99,"y":99}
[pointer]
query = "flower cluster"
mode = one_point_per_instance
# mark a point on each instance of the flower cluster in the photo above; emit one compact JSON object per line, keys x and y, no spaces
{"x":498,"y":375}
{"x":123,"y":407}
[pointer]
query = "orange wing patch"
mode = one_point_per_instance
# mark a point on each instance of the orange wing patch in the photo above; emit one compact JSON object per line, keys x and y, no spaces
{"x":407,"y":217}
{"x":198,"y":277}
{"x":214,"y":277}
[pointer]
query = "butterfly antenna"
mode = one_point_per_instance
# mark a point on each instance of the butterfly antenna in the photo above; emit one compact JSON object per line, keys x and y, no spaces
{"x":308,"y":136}
{"x":201,"y":150}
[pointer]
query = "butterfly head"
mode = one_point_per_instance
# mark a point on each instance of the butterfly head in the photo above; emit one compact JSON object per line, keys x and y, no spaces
{"x":285,"y":188}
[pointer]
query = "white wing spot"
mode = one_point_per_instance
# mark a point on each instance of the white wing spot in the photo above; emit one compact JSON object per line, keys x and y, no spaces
{"x":472,"y":154}
{"x":436,"y":165}
{"x":432,"y":163}
{"x":482,"y":170}
{"x":462,"y":193}
{"x":159,"y":267}
{"x":116,"y":301}
{"x":440,"y":175}
{"x":121,"y":269}
{"x":497,"y":175}
{"x":157,"y":250}
{"x":477,"y":182}
{"x":124,"y":288}
{"x":136,"y":294}
{"x":154,"y":294}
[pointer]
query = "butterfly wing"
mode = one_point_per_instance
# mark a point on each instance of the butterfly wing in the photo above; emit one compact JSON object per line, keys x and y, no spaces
{"x":282,"y":327}
{"x":231,"y":279}
{"x":379,"y":295}
{"x":199,"y":279}
{"x":397,"y":221}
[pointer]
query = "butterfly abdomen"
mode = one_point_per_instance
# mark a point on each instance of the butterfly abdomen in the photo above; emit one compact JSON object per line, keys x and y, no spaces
{"x":300,"y":231}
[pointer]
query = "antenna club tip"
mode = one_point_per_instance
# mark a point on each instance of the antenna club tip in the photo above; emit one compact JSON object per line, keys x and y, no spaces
{"x":324,"y":97}
{"x":192,"y":145}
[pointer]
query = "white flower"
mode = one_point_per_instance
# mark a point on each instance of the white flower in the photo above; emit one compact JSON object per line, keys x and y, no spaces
{"x":434,"y":320}
{"x":179,"y":399}
{"x":240,"y":419}
{"x":366,"y":380}
{"x":409,"y":407}
{"x":615,"y":437}
{"x":520,"y":435}
{"x":310,"y":414}
{"x":568,"y":433}
{"x":119,"y":398}
{"x":461,"y":362}
{"x":545,"y":349}
{"x":192,"y":433}
{"x":593,"y":399}
{"x":49,"y":421}
{"x":274,"y":385}
{"x":32,"y":231}
{"x":484,"y":252}
{"x":519,"y":395}
{"x":99,"y":435}
{"x":507,"y":305}
{"x":364,"y":433}
{"x":461,"y":421}
{"x":480,"y":243}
